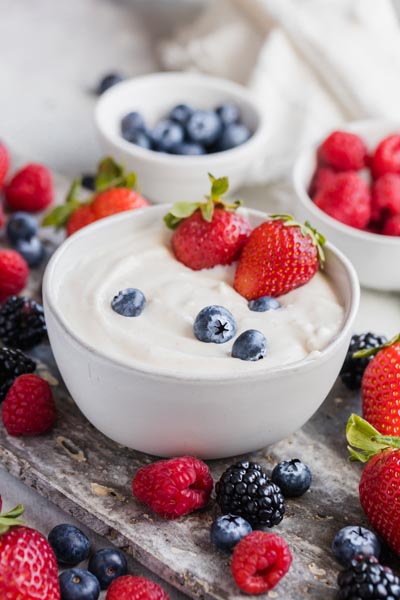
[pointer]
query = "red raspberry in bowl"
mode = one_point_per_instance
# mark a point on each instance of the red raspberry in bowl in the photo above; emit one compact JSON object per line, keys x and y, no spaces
{"x":386,"y":197}
{"x":259,"y":562}
{"x":386,"y":158}
{"x":323,"y":176}
{"x":347,"y":199}
{"x":392,"y":226}
{"x":343,"y":151}
{"x":174,"y":487}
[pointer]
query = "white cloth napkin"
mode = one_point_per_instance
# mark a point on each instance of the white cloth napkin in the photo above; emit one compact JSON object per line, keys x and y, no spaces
{"x":312,"y":65}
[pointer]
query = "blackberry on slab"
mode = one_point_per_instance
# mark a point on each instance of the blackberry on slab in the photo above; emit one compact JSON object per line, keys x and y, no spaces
{"x":367,"y":579}
{"x":13,"y":363}
{"x":22,"y":323}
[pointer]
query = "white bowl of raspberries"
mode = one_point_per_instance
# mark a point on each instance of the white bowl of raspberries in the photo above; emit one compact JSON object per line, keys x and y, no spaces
{"x":348,"y":186}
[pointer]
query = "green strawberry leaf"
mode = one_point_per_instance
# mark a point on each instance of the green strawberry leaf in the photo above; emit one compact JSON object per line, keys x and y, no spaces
{"x":207,"y":210}
{"x":59,"y":216}
{"x":11,"y":519}
{"x":108,"y":172}
{"x":180,"y":211}
{"x":373,"y":351}
{"x":219,"y":187}
{"x":365,"y":441}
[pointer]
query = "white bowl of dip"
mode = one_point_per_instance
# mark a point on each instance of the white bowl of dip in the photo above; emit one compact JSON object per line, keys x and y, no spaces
{"x":148,"y":383}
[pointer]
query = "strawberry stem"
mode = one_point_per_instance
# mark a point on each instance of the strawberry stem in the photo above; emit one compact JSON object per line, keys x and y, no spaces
{"x":11,"y":518}
{"x":365,"y":441}
{"x":306,"y":229}
{"x":373,"y":351}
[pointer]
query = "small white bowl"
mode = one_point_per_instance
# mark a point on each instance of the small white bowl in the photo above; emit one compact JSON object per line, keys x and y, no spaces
{"x":209,"y":416}
{"x":374,"y":256}
{"x":167,"y":178}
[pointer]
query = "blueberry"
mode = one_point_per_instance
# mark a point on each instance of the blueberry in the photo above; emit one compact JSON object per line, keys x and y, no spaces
{"x":88,"y":181}
{"x":204,"y":127}
{"x":228,"y":113}
{"x":233,"y":135}
{"x":292,"y":476}
{"x":353,"y":540}
{"x":71,"y":546}
{"x":21,"y":226}
{"x":181,"y":113}
{"x":214,"y":324}
{"x":129,"y":302}
{"x":189,"y":149}
{"x":250,"y":345}
{"x":108,"y":564}
{"x":108,"y":81}
{"x":32,"y":250}
{"x":139,"y":138}
{"x":228,"y":530}
{"x":167,"y":134}
{"x":77,"y":584}
{"x":133,"y":121}
{"x":264,"y":303}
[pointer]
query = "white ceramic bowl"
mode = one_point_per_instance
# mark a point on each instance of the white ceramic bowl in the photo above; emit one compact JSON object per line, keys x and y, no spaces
{"x":166,"y":177}
{"x":208,"y":416}
{"x":373,"y":255}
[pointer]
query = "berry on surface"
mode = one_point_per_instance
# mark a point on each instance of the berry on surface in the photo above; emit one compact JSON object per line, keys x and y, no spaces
{"x":2,"y":216}
{"x":131,"y":587}
{"x":347,"y":199}
{"x":88,"y":181}
{"x":188,"y":149}
{"x":116,"y":200}
{"x":108,"y":81}
{"x":22,"y":322}
{"x":181,"y":113}
{"x":353,"y":368}
{"x":214,"y":324}
{"x":204,"y":127}
{"x":250,"y":345}
{"x":21,"y":226}
{"x":353,"y":540}
{"x":228,"y":530}
{"x":4,"y":163}
{"x":78,"y":584}
{"x":70,"y":545}
{"x":386,"y":158}
{"x":245,"y":490}
{"x":232,"y":136}
{"x":108,"y":564}
{"x":14,"y":273}
{"x":31,"y":250}
{"x":30,"y":189}
{"x":264,"y":303}
{"x":366,"y":579}
{"x":166,"y":135}
{"x":343,"y":151}
{"x":293,"y":477}
{"x":13,"y":363}
{"x":386,"y":197}
{"x":259,"y":562}
{"x":129,"y":302}
{"x":81,"y":217}
{"x":28,"y":408}
{"x":174,"y":487}
{"x":392,"y":226}
{"x":228,"y":113}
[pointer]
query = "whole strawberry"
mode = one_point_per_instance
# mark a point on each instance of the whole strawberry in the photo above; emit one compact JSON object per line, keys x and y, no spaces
{"x":28,"y":567}
{"x":116,"y":200}
{"x":81,"y":217}
{"x":132,"y":587}
{"x":279,"y":256}
{"x":379,"y":484}
{"x":208,"y":234}
{"x":4,"y":163}
{"x":30,"y":189}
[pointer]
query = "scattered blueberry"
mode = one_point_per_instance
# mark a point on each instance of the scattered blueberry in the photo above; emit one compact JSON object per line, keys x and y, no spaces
{"x":167,"y":134}
{"x":108,"y":81}
{"x":70,"y":545}
{"x":181,"y":113}
{"x":77,"y":584}
{"x":204,"y":127}
{"x":233,"y":135}
{"x":353,"y":540}
{"x":188,"y":149}
{"x":32,"y":251}
{"x":264,"y":303}
{"x":129,"y":302}
{"x":228,"y":530}
{"x":293,"y":477}
{"x":250,"y":345}
{"x":139,"y":138}
{"x":133,"y":121}
{"x":88,"y":181}
{"x":107,"y":564}
{"x":228,"y":113}
{"x":214,"y":324}
{"x":21,"y":226}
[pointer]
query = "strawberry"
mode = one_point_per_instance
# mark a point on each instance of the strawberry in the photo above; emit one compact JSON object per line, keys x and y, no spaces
{"x":210,"y":233}
{"x":28,"y":567}
{"x":279,"y":256}
{"x":111,"y":202}
{"x":81,"y":217}
{"x":379,"y":484}
{"x":4,"y":163}
{"x":30,"y":189}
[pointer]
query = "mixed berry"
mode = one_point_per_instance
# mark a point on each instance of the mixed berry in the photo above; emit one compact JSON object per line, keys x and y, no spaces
{"x":293,"y":477}
{"x":352,"y":541}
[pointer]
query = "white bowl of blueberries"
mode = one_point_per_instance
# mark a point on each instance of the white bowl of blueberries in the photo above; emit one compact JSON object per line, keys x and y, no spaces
{"x":174,"y":128}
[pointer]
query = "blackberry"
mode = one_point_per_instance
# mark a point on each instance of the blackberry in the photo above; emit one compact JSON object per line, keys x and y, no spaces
{"x":353,"y":368}
{"x":22,"y":323}
{"x":13,"y":363}
{"x":245,"y":490}
{"x":367,"y":579}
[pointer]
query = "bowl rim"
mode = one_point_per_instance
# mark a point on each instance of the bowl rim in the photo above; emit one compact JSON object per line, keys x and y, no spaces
{"x":162,"y":158}
{"x":358,"y":127}
{"x":152,"y":372}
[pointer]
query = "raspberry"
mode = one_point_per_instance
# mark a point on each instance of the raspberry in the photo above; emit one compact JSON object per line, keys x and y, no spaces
{"x":131,"y":587}
{"x":321,"y":178}
{"x":386,"y":158}
{"x":173,"y":487}
{"x":29,"y":408}
{"x":2,"y":217}
{"x":386,"y":197}
{"x":392,"y":226}
{"x":259,"y":562}
{"x":4,"y":163}
{"x":81,"y":217}
{"x":116,"y":200}
{"x":31,"y":189}
{"x":14,"y":273}
{"x":347,"y":199}
{"x":343,"y":151}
